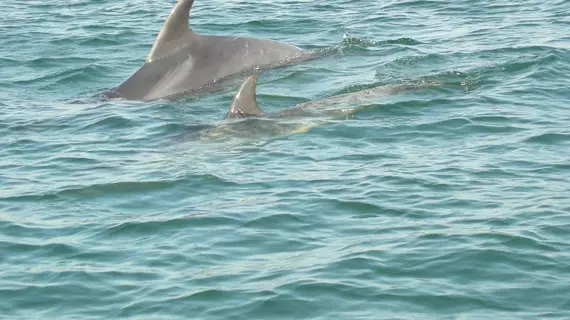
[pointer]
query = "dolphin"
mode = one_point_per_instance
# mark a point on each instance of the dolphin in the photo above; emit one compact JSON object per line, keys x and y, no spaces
{"x":244,"y":103}
{"x":251,"y":120}
{"x":182,"y":62}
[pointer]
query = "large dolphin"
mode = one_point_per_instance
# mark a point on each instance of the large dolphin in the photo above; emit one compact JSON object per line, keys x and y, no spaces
{"x":182,"y":62}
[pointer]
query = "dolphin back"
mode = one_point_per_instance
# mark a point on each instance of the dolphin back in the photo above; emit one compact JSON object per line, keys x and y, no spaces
{"x":183,"y":62}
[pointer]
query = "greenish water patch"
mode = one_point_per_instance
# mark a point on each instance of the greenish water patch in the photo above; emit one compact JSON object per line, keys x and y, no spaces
{"x":444,"y":202}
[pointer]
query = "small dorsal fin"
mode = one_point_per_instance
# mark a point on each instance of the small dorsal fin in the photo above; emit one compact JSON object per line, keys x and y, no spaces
{"x":175,"y":28}
{"x":244,"y":103}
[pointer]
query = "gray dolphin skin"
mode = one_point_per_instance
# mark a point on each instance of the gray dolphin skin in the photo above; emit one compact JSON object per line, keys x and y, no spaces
{"x":251,"y":121}
{"x":182,"y":62}
{"x":244,"y":103}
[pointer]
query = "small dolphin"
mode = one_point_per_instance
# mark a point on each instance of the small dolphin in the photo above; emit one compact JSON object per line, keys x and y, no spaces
{"x":182,"y":62}
{"x":244,"y":103}
{"x":308,"y":114}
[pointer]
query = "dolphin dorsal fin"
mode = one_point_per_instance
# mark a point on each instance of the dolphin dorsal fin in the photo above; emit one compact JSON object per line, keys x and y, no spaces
{"x":175,"y":28}
{"x":244,"y":103}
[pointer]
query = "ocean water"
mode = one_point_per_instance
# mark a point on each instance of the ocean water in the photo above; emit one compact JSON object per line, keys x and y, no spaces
{"x":446,"y":202}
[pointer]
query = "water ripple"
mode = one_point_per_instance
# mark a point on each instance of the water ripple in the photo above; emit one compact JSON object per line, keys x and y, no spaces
{"x":448,"y":201}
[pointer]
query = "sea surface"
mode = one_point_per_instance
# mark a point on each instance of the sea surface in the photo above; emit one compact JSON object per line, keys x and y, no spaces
{"x":451,"y":201}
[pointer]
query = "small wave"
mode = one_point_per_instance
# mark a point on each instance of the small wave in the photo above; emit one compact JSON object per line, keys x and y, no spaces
{"x":9,"y":62}
{"x":464,"y":79}
{"x":73,"y":75}
{"x":166,"y":226}
{"x":549,"y":138}
{"x":276,"y":220}
{"x":410,"y":60}
{"x":99,"y":41}
{"x":404,"y":41}
{"x":57,"y":61}
{"x":121,"y":188}
{"x":355,"y":41}
{"x":96,"y":190}
{"x":482,"y":128}
{"x":507,"y":61}
{"x":116,"y":188}
{"x":533,"y":50}
{"x":49,"y":249}
{"x":110,"y":122}
{"x":492,"y":119}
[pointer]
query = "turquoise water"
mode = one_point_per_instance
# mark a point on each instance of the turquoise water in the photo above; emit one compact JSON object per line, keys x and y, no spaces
{"x":447,"y":202}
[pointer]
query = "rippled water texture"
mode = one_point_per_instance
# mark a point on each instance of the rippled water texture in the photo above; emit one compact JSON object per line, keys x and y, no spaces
{"x":446,"y":202}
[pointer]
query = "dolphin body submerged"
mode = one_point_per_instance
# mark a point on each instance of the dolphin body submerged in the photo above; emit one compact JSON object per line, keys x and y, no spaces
{"x":250,"y":120}
{"x":245,"y":105}
{"x":182,"y":62}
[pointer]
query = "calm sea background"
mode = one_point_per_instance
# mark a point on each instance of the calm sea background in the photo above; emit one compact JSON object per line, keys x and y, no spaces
{"x":448,"y":202}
